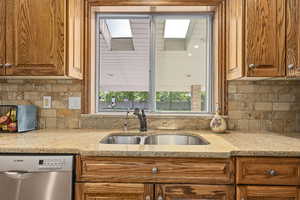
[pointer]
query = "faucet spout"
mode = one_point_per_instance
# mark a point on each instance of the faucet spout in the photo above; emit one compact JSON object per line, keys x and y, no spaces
{"x":142,"y":119}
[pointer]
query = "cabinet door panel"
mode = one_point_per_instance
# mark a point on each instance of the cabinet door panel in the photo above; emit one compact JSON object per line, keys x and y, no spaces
{"x":35,"y":41}
{"x":267,"y":193}
{"x":2,"y":36}
{"x":265,"y":38}
{"x":194,"y":192}
{"x":293,"y":38}
{"x":75,"y":65}
{"x":113,"y":191}
{"x":235,"y":37}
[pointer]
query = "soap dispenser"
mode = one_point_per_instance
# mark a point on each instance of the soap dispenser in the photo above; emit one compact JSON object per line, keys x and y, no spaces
{"x":218,"y":123}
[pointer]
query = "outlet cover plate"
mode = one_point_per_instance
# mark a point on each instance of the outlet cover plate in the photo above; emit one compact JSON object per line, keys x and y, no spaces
{"x":74,"y":103}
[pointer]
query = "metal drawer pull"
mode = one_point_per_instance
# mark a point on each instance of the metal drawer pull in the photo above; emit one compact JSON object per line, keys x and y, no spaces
{"x":160,"y":198}
{"x":272,"y":172}
{"x":253,"y":66}
{"x":148,"y":197}
{"x":291,"y":66}
{"x":8,"y":65}
{"x":154,"y":170}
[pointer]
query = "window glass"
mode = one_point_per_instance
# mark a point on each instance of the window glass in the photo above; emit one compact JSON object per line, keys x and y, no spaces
{"x":123,"y":73}
{"x":181,"y":64}
{"x":160,"y":63}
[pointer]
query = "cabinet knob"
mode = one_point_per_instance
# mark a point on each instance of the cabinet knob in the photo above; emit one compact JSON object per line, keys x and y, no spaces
{"x":252,"y":66}
{"x":154,"y":170}
{"x":1,"y":65}
{"x":291,"y":66}
{"x":148,"y":197}
{"x":272,"y":172}
{"x":160,"y":198}
{"x":8,"y":65}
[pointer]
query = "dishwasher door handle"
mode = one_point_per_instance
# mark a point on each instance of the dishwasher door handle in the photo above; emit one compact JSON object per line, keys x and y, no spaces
{"x":17,"y":174}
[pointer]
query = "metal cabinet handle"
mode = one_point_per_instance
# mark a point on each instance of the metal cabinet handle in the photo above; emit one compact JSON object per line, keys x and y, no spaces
{"x":148,"y":197}
{"x":154,"y":170}
{"x":291,"y":66}
{"x":8,"y":65}
{"x":272,"y":172}
{"x":160,"y":198}
{"x":253,"y":66}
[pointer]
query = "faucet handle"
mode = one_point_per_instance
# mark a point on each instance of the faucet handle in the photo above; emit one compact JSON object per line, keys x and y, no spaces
{"x":136,"y":111}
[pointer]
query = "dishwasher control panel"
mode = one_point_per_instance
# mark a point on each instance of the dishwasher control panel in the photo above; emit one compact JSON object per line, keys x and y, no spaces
{"x":36,"y":163}
{"x":51,"y":163}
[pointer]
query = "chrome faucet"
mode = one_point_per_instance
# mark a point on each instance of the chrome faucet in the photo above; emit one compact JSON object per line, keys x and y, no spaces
{"x":142,"y":119}
{"x":125,"y":127}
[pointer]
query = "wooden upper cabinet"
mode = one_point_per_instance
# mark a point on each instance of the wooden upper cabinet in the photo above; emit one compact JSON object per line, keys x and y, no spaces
{"x":37,"y":34}
{"x":265,"y":38}
{"x":194,"y":192}
{"x":113,"y":191}
{"x":256,"y":38}
{"x":235,"y":39}
{"x":2,"y":37}
{"x":267,"y":193}
{"x":76,"y":8}
{"x":293,"y":38}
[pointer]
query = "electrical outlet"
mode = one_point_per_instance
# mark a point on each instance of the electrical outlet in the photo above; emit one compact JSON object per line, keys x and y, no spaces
{"x":47,"y":102}
{"x":74,"y":103}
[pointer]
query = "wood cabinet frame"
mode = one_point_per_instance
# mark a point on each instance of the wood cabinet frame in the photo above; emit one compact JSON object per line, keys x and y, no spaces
{"x":88,"y":93}
{"x":41,"y":39}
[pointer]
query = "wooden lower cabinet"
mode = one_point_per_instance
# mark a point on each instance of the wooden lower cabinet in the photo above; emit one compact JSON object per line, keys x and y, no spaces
{"x":194,"y":192}
{"x":113,"y":191}
{"x":268,"y":193}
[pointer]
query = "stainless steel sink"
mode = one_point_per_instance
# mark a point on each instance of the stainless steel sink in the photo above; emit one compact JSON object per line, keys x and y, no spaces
{"x":121,"y":139}
{"x":156,"y":139}
{"x":174,"y":139}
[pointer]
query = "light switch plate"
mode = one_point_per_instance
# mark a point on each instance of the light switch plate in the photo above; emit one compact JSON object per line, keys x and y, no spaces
{"x":47,"y":101}
{"x":74,"y":103}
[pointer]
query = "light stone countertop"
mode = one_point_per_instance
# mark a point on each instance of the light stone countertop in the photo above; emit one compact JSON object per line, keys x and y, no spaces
{"x":86,"y":142}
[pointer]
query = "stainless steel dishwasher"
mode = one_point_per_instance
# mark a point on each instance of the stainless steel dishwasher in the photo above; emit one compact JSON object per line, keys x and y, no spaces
{"x":36,"y":177}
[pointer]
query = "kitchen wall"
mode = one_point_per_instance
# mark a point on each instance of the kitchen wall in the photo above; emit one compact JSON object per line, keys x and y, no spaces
{"x":253,"y":106}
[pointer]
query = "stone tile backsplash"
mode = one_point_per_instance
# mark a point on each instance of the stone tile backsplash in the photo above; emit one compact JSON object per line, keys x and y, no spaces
{"x":264,"y":105}
{"x":32,"y":91}
{"x":253,"y":106}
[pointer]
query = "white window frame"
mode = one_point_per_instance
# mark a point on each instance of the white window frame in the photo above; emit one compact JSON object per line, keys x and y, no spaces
{"x":210,"y":108}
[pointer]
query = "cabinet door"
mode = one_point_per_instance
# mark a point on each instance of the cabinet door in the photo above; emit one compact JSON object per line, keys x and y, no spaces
{"x":2,"y":37}
{"x":267,"y":193}
{"x":75,"y":54}
{"x":35,"y":37}
{"x":194,"y":192}
{"x":113,"y":191}
{"x":293,"y":38}
{"x":235,"y":37}
{"x":265,"y":38}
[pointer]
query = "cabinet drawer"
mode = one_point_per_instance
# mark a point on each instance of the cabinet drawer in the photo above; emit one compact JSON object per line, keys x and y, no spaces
{"x":268,"y":171}
{"x":163,"y":170}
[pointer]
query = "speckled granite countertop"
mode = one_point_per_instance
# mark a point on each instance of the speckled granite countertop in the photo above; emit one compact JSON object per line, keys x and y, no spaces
{"x":86,"y":142}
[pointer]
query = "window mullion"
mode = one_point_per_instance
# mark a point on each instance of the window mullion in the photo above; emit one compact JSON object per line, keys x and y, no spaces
{"x":152,"y":92}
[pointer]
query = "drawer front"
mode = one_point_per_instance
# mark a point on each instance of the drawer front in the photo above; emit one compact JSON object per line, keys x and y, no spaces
{"x":163,"y":170}
{"x":268,"y":171}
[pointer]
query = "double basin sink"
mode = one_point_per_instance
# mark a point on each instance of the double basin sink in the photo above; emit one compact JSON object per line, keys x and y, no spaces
{"x":155,"y":139}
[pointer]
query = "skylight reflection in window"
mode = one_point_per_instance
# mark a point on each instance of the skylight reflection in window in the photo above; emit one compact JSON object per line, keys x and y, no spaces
{"x":119,"y":28}
{"x":176,"y":28}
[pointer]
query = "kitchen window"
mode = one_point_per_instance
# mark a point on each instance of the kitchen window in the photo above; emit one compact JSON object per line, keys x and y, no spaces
{"x":161,"y":63}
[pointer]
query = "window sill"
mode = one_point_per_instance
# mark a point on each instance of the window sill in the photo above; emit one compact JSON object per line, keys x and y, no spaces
{"x":150,"y":115}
